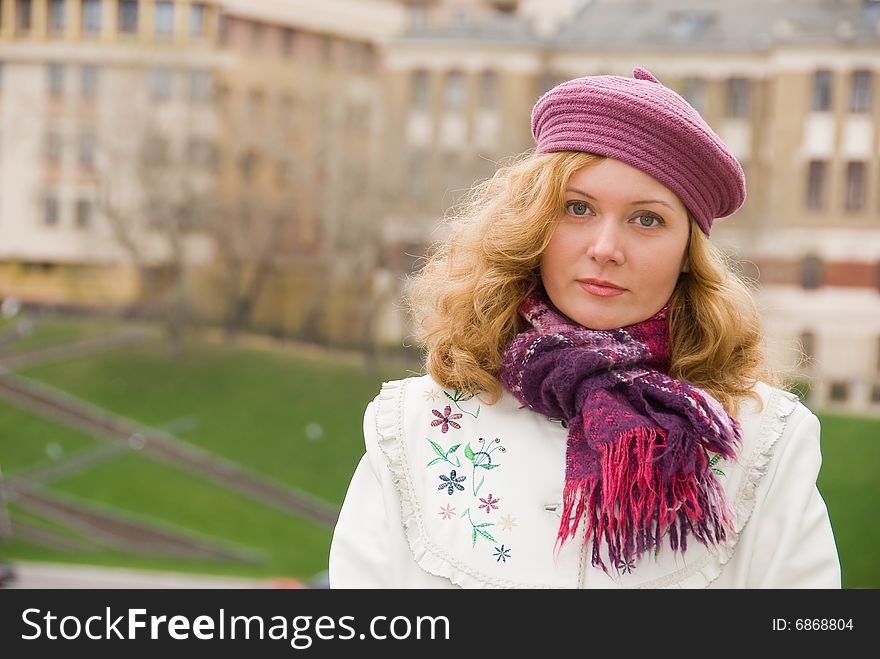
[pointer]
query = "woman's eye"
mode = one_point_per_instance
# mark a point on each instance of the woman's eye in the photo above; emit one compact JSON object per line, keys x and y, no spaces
{"x":577,"y":208}
{"x":641,"y":221}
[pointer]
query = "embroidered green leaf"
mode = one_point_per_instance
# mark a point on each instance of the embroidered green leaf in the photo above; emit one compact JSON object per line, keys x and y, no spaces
{"x":438,"y":449}
{"x":435,"y":460}
{"x":453,"y":449}
{"x":479,"y":526}
{"x":474,"y":539}
{"x":715,"y":458}
{"x":477,"y":491}
{"x":484,"y":534}
{"x":719,"y":472}
{"x":468,"y":452}
{"x":487,"y":466}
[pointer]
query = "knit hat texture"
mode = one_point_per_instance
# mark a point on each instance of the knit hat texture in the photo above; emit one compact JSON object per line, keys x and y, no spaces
{"x":645,"y":124}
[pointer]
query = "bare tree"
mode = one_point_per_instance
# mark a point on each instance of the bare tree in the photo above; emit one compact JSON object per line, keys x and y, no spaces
{"x":152,"y":214}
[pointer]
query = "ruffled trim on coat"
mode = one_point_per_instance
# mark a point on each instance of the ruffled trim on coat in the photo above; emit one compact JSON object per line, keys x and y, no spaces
{"x":435,"y":560}
{"x":429,"y":556}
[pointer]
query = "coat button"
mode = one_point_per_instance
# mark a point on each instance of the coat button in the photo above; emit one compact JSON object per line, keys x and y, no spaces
{"x":561,"y":422}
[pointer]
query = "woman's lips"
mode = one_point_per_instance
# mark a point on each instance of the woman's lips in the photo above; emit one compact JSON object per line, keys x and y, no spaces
{"x":601,"y":291}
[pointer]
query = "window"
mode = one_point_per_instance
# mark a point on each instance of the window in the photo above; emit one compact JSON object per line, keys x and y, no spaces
{"x":418,"y":18}
{"x":287,"y":38}
{"x":489,"y":90}
{"x":200,"y":84}
{"x":56,"y":15}
{"x":694,"y":92}
{"x":50,"y":211}
{"x":878,"y":354}
{"x":83,"y":213}
{"x":816,"y":185}
{"x":91,"y":16}
{"x":89,"y":81}
{"x":202,"y":153}
{"x":23,"y":13}
{"x":128,"y":15}
{"x":860,"y":95}
{"x":53,"y":147}
{"x":738,"y":97}
{"x":838,"y":392}
{"x":164,"y":22}
{"x":811,"y":274}
{"x":248,"y":164}
{"x":326,"y":49}
{"x":197,"y":19}
{"x":855,"y":186}
{"x":455,"y":91}
{"x":56,"y":80}
{"x":255,"y":104}
{"x":821,"y":91}
{"x":256,"y":36}
{"x":87,"y":150}
{"x":160,"y":84}
{"x":875,"y":393}
{"x":419,"y":90}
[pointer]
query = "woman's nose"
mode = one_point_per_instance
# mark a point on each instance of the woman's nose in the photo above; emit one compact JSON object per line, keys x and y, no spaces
{"x":606,"y":243}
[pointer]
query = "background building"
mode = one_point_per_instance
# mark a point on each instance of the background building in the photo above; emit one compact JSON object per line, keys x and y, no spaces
{"x":281,"y":165}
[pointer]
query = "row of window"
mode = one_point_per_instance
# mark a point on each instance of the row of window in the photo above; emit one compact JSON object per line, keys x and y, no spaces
{"x":83,"y":212}
{"x":200,"y":83}
{"x":90,"y":13}
{"x":258,"y":37}
{"x":855,"y":185}
{"x":839,"y":391}
{"x":85,"y":148}
{"x":738,"y":94}
{"x":860,"y":96}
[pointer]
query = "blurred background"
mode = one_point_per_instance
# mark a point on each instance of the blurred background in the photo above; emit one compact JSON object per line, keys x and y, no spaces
{"x":208,"y":210}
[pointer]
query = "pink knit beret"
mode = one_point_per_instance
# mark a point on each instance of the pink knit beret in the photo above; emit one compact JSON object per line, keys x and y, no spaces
{"x":648,"y":126}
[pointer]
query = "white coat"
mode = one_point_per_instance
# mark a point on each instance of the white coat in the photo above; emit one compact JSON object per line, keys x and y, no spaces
{"x":408,"y":521}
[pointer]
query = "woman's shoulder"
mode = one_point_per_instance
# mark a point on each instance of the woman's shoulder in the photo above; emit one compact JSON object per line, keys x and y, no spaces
{"x":777,"y":411}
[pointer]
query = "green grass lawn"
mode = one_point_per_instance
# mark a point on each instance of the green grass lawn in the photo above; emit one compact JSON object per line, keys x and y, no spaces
{"x":170,"y":497}
{"x":28,"y":441}
{"x":850,"y":483}
{"x":251,"y":406}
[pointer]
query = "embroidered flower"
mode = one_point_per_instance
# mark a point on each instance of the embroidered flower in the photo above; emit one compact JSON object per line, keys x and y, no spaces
{"x":430,"y":394}
{"x":451,"y":483}
{"x":501,"y":554}
{"x":489,"y":503}
{"x":447,"y":512}
{"x":507,"y":523}
{"x":626,"y":567}
{"x":445,"y":419}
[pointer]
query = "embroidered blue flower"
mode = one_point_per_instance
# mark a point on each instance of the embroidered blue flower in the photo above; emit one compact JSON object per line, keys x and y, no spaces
{"x":501,"y":554}
{"x":451,"y":483}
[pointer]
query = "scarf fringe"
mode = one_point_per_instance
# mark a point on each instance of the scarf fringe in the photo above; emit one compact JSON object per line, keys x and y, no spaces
{"x":633,"y":506}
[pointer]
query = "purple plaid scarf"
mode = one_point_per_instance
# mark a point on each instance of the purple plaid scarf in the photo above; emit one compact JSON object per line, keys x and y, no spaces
{"x":636,"y":458}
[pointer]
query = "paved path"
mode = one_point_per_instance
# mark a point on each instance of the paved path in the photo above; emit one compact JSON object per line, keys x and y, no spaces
{"x":77,"y":348}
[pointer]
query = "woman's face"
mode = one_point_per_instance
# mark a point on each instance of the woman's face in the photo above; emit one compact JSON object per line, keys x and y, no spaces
{"x":622,"y":226}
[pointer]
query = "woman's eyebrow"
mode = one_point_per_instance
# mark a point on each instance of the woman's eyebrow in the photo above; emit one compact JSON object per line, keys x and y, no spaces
{"x":634,"y":203}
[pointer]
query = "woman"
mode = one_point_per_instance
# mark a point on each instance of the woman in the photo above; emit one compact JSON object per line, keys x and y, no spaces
{"x":596,"y":411}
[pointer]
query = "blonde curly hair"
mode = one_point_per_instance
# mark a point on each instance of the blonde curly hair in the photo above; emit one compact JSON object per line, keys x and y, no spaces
{"x":464,"y":299}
